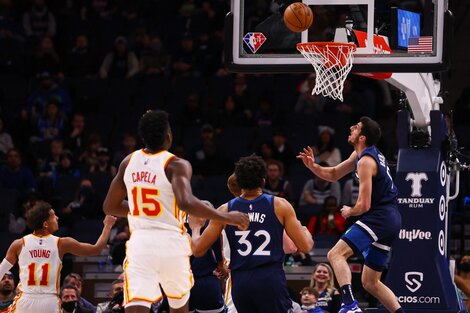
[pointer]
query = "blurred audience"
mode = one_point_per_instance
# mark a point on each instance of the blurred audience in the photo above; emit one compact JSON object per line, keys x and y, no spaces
{"x":7,"y":291}
{"x":323,"y":281}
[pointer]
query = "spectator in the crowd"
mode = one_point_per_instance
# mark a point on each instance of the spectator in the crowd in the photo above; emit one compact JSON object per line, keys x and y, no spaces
{"x":330,"y":221}
{"x":326,"y":151}
{"x":128,"y":145}
{"x":275,"y":183}
{"x":265,"y":115}
{"x":85,"y":205}
{"x":282,"y":151}
{"x":213,"y":163}
{"x":48,"y":89}
{"x":76,"y":281}
{"x":26,"y":201}
{"x":89,"y":157}
{"x":185,"y":61}
{"x":154,"y":59}
{"x":76,"y":138}
{"x":14,"y":175}
{"x":6,"y":143}
{"x":51,"y":159}
{"x":193,"y":114}
{"x":65,"y":168}
{"x":7,"y":291}
{"x":196,"y":151}
{"x":51,"y":125}
{"x":11,"y":30}
{"x":266,"y":151}
{"x":108,"y":306}
{"x":121,"y":62}
{"x":308,"y":104}
{"x":323,"y":281}
{"x":69,"y":300}
{"x":47,"y":59}
{"x":38,"y":21}
{"x":308,"y":299}
{"x":462,"y":278}
{"x":350,"y":190}
{"x":313,"y":196}
{"x":230,"y":115}
{"x":82,"y":61}
{"x":103,"y":165}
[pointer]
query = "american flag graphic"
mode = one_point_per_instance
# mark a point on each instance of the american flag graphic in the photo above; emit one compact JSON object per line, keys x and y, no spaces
{"x":420,"y":44}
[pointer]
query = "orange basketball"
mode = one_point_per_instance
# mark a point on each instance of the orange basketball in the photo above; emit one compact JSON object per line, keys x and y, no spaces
{"x":298,"y":17}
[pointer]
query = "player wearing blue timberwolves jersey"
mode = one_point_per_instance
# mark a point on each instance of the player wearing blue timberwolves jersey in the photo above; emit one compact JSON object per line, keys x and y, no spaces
{"x":379,"y":220}
{"x":256,"y":257}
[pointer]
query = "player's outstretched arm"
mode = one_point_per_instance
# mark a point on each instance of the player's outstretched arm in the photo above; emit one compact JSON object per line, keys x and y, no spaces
{"x":11,"y":257}
{"x":115,"y":203}
{"x":327,"y":173}
{"x":298,"y":233}
{"x":70,"y":245}
{"x":201,"y":243}
{"x":179,"y":173}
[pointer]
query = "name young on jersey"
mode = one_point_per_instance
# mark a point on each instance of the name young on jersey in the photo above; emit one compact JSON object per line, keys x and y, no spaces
{"x":40,"y":253}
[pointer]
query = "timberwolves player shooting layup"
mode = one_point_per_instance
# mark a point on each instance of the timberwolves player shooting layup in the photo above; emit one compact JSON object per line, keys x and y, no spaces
{"x":256,"y":254}
{"x":379,"y":221}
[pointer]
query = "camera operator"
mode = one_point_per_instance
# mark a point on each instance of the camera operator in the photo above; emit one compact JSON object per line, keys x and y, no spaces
{"x":116,"y":296}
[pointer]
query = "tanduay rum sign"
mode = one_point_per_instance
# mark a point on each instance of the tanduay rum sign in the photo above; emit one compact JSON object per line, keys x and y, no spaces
{"x":419,"y":272}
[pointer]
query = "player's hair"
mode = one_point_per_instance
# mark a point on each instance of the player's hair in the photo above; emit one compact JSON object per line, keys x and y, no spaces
{"x":371,"y":130}
{"x":68,"y":287}
{"x":153,"y":127}
{"x":310,"y":290}
{"x":37,"y":215}
{"x":250,"y":172}
{"x":331,"y":284}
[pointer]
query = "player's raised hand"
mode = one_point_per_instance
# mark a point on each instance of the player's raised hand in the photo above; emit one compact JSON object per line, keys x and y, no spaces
{"x":109,"y":221}
{"x":238,"y":219}
{"x":307,"y":156}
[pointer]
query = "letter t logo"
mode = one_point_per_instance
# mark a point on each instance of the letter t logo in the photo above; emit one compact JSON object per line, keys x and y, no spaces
{"x":416,"y":179}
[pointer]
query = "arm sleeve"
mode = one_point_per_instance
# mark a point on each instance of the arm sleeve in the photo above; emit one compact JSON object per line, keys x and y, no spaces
{"x":5,"y":266}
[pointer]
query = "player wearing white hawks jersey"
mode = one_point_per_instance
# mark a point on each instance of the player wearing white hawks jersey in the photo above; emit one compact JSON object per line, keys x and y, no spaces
{"x":157,"y":186}
{"x":39,"y":256}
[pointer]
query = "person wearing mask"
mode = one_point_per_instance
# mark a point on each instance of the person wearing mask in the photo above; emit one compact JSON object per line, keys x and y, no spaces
{"x":462,"y":278}
{"x":69,"y":300}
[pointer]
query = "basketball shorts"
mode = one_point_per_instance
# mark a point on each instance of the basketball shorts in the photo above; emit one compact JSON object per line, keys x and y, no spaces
{"x":154,"y":258}
{"x":206,"y":295}
{"x":35,"y":303}
{"x":373,"y":235}
{"x":261,"y":290}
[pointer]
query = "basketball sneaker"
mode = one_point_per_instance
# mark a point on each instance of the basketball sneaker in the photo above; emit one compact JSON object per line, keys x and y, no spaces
{"x":352,"y":308}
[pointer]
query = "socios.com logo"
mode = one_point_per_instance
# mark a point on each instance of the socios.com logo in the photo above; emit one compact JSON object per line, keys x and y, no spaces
{"x":413,"y":280}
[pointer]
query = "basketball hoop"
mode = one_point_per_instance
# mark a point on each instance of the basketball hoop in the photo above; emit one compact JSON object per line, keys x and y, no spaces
{"x":332,"y":62}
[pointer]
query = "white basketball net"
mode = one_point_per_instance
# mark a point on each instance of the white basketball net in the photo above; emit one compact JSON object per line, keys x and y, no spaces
{"x":332,"y":63}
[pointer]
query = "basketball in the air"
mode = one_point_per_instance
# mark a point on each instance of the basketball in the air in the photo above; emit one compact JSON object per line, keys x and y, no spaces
{"x":298,"y":17}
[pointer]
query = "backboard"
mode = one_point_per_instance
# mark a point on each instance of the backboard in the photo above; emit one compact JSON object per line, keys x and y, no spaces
{"x":392,"y":36}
